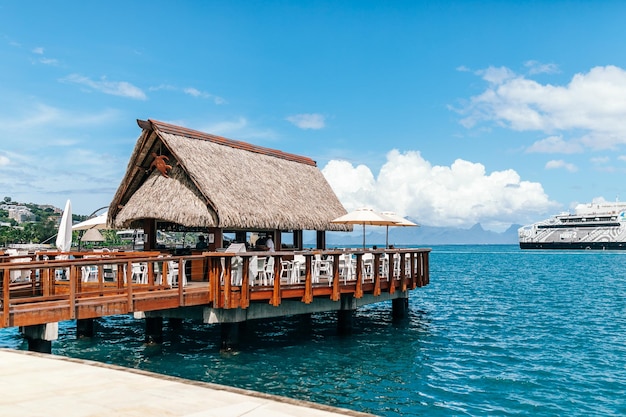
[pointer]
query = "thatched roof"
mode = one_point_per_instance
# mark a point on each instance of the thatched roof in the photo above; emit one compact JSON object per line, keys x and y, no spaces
{"x":218,"y":182}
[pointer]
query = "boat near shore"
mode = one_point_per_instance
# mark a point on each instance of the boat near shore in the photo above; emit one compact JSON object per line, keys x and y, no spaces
{"x":593,"y":226}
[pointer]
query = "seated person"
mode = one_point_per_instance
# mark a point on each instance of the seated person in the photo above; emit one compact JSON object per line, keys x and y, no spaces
{"x":261,"y":243}
{"x":265,"y":243}
{"x":201,"y":243}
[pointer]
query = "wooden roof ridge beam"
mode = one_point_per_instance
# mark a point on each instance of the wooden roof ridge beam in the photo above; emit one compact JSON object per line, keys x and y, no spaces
{"x":195,"y":134}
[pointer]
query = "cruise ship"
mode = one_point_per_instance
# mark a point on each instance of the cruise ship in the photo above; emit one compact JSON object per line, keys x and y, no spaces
{"x":596,"y":226}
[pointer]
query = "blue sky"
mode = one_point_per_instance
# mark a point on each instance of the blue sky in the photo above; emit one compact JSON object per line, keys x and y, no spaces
{"x":452,"y":113}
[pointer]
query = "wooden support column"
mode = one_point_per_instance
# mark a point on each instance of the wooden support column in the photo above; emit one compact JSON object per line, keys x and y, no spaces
{"x":399,"y":308}
{"x":321,"y":239}
{"x":149,"y":230}
{"x":40,"y":336}
{"x":298,"y":240}
{"x":84,"y":328}
{"x":215,"y":239}
{"x":154,"y":330}
{"x":230,"y":335}
{"x":345,"y":314}
{"x":175,"y":324}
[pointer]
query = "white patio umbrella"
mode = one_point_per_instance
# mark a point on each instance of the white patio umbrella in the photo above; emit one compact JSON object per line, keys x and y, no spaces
{"x":64,"y":235}
{"x":92,"y":235}
{"x":365,"y":216}
{"x":98,"y":222}
{"x":400,"y":221}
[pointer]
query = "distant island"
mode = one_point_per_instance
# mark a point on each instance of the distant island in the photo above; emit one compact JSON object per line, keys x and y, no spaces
{"x":425,"y":235}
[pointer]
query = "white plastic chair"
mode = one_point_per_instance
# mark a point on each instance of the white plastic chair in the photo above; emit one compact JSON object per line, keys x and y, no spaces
{"x":89,"y":273}
{"x":368,"y":267}
{"x":268,"y":271}
{"x":289,"y":271}
{"x":140,"y":273}
{"x":346,"y":267}
{"x":322,"y":267}
{"x":21,"y":275}
{"x":253,"y":269}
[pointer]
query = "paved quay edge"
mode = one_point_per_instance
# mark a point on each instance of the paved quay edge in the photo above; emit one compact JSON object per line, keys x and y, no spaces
{"x":210,"y":387}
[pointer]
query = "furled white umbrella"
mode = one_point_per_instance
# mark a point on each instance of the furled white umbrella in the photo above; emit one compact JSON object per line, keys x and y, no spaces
{"x":64,"y":235}
{"x":97,"y":222}
{"x":365,"y":216}
{"x":400,"y":221}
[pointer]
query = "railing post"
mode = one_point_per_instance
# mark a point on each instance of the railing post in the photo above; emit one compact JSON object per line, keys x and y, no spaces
{"x":244,"y":301}
{"x":6,"y":294}
{"x":358,"y":292}
{"x":426,"y":269}
{"x":129,"y":287}
{"x":336,"y":294}
{"x":181,"y":273}
{"x":227,"y":283}
{"x":414,"y":258}
{"x":308,"y":279}
{"x":214,"y":281}
{"x":73,"y":288}
{"x":376,"y":291}
{"x":275,"y":300}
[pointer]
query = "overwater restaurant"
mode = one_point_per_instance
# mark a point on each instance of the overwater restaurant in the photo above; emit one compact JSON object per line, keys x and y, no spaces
{"x":179,"y":179}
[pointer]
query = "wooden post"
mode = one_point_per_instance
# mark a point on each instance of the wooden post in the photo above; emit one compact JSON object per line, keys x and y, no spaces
{"x":84,"y":328}
{"x":244,"y":301}
{"x":345,"y":314}
{"x":154,"y":330}
{"x":6,"y":292}
{"x":358,"y":292}
{"x":150,"y":230}
{"x":308,"y":279}
{"x":336,"y":276}
{"x":40,"y":336}
{"x":298,"y":240}
{"x":399,"y":308}
{"x":376,"y":291}
{"x":230,"y":336}
{"x":321,"y":239}
{"x":275,"y":301}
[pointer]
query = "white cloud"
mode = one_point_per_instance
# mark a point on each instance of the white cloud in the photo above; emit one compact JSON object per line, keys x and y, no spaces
{"x":459,"y":195}
{"x":592,"y":105}
{"x":239,"y":129}
{"x":194,"y":92}
{"x":38,"y":50}
{"x":600,"y":160}
{"x":49,"y":61}
{"x":535,"y":67}
{"x":191,"y":91}
{"x":554,"y":144}
{"x":308,"y":120}
{"x":115,"y":88}
{"x":4,"y":160}
{"x":560,"y":164}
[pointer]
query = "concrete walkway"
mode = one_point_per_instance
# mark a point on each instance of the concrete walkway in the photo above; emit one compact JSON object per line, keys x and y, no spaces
{"x":34,"y":384}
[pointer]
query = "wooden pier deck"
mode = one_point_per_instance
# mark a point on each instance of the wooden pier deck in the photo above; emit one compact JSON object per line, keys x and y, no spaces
{"x":44,"y":288}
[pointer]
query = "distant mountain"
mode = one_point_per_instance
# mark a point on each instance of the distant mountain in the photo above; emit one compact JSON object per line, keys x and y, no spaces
{"x":424,"y":235}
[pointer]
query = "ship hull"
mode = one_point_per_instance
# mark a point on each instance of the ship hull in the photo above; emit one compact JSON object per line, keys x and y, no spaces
{"x":574,"y":245}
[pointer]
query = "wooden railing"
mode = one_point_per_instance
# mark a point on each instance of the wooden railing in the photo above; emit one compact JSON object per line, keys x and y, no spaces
{"x":42,"y":289}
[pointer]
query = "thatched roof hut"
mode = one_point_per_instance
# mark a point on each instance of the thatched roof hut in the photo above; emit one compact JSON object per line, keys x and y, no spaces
{"x":221,"y":183}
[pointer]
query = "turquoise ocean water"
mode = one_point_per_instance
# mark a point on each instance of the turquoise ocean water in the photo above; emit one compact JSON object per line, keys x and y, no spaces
{"x":498,"y":332}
